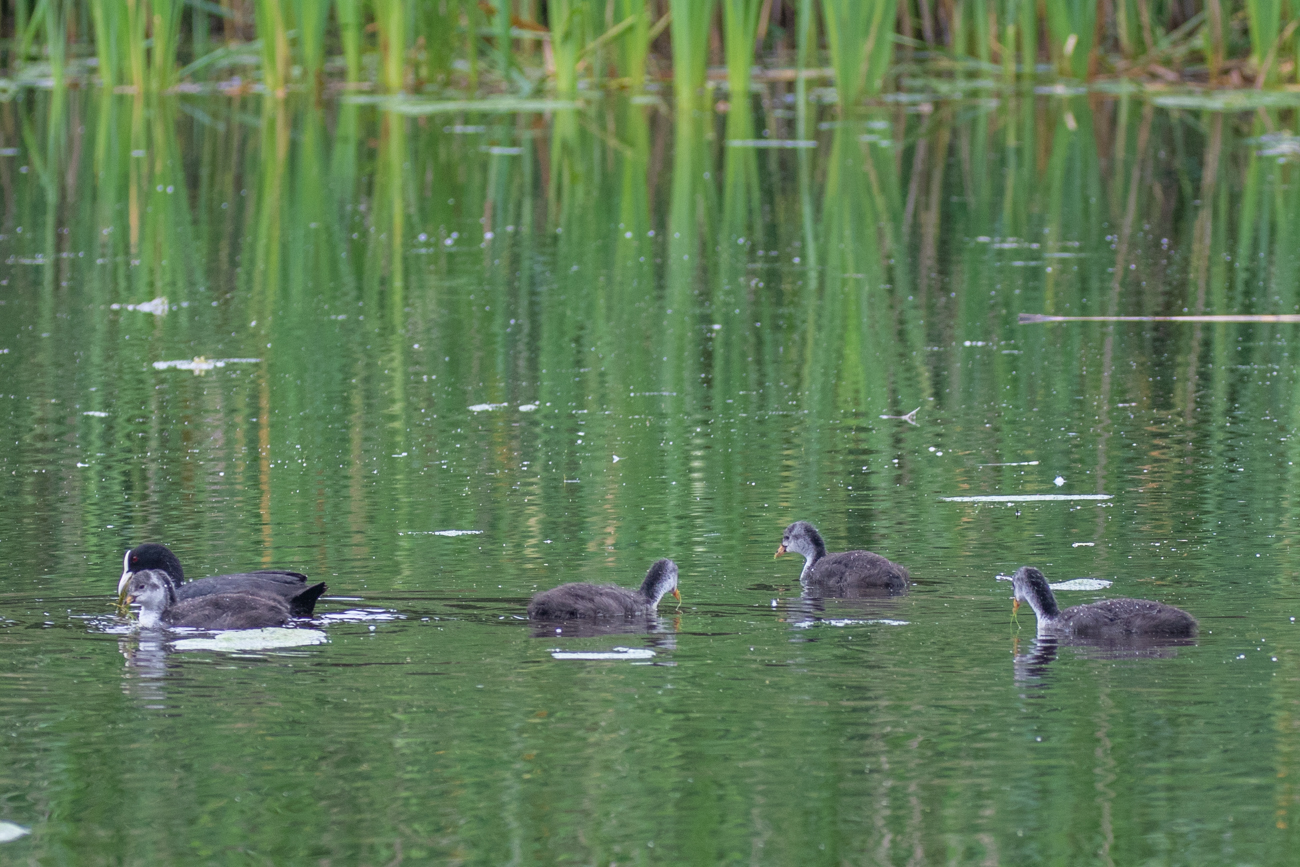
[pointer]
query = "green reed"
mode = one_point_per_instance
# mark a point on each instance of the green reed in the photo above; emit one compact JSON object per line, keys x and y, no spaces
{"x":859,"y":39}
{"x":461,"y":45}
{"x":690,"y":27}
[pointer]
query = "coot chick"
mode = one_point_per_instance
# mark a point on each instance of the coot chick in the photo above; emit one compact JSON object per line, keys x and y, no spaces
{"x":153,"y":591}
{"x":840,"y":574}
{"x":289,"y":587}
{"x":573,"y":601}
{"x":1110,"y":618}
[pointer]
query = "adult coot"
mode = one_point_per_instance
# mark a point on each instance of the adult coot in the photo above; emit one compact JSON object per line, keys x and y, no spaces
{"x":289,"y":587}
{"x":840,"y":574}
{"x":572,"y":601}
{"x":152,"y":590}
{"x":1110,"y":618}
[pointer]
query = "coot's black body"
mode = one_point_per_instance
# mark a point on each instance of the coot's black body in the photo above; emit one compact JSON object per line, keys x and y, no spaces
{"x":153,"y":591}
{"x":850,"y":573}
{"x":575,"y":601}
{"x":1110,"y":618}
{"x":288,"y":587}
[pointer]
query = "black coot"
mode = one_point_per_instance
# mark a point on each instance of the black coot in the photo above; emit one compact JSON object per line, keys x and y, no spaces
{"x":152,"y":590}
{"x":289,"y":587}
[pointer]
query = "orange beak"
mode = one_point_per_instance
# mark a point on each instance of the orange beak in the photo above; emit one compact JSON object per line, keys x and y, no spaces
{"x":1015,"y":605}
{"x":779,"y":551}
{"x":677,"y":595}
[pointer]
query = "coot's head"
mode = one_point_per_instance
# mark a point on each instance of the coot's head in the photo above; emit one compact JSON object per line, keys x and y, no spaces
{"x":802,"y":538}
{"x":1029,"y":585}
{"x":661,"y":580}
{"x":152,"y":590}
{"x":151,"y":555}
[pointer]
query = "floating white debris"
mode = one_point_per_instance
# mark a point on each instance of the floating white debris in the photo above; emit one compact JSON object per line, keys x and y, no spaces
{"x":1083,"y":584}
{"x":616,"y":653}
{"x":1027,"y":498}
{"x":484,"y":407}
{"x":771,"y":143}
{"x":254,"y":639}
{"x":9,"y":832}
{"x":199,"y":364}
{"x":808,"y":624}
{"x":527,"y":407}
{"x":359,"y":615}
{"x":910,"y":417}
{"x":158,"y":307}
{"x":439,"y":532}
{"x":96,"y":413}
{"x":1058,"y":481}
{"x":1083,"y":544}
{"x":617,"y":459}
{"x":1012,"y":464}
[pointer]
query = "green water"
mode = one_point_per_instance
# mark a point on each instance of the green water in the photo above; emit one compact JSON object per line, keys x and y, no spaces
{"x":729,"y":322}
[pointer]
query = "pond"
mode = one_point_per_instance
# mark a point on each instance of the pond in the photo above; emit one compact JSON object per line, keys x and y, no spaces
{"x":324,"y":338}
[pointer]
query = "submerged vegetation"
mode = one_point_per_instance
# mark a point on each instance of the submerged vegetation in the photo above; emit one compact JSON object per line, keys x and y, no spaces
{"x":523,"y":47}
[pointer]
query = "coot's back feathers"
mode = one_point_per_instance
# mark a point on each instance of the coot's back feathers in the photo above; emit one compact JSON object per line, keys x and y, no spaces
{"x":570,"y":601}
{"x":227,"y":611}
{"x":857,"y":570}
{"x":152,"y":590}
{"x":574,"y":601}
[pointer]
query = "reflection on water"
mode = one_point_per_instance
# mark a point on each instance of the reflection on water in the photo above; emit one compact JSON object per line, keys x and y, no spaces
{"x":1034,"y":661}
{"x":482,"y":358}
{"x":658,"y":629}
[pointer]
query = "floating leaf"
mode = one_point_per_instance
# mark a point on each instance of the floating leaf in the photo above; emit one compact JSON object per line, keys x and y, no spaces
{"x":254,"y":639}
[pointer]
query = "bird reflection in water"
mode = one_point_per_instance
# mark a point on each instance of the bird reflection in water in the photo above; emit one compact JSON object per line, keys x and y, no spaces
{"x":146,"y":666}
{"x":660,"y":632}
{"x":813,"y":608}
{"x":1032,"y":662}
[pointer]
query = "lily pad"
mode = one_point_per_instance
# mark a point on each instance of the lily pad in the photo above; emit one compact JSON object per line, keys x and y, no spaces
{"x":270,"y":638}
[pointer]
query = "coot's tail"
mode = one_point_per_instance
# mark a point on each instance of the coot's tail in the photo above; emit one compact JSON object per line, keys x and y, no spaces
{"x":304,"y":603}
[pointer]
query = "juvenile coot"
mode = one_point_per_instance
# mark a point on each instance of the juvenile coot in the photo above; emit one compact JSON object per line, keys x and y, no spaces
{"x":572,"y":601}
{"x":1108,"y":618}
{"x":840,"y":574}
{"x":289,"y":587}
{"x":153,"y":591}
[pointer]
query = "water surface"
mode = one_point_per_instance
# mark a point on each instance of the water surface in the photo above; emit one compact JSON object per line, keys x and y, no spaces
{"x":601,"y":337}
